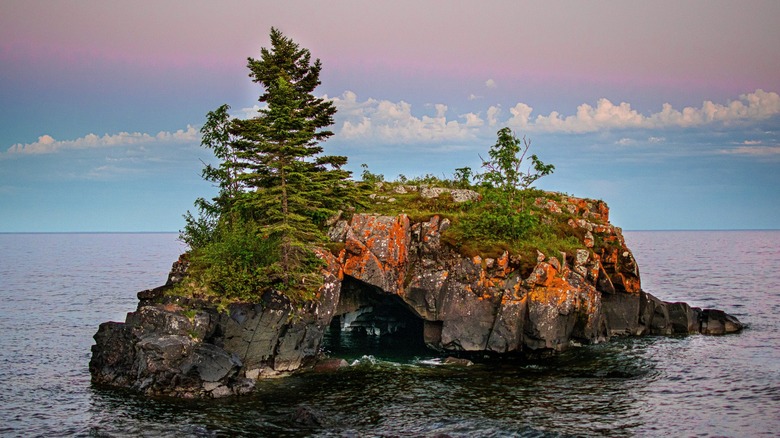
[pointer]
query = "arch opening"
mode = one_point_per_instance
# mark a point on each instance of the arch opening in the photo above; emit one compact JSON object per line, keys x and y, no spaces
{"x":370,"y":322}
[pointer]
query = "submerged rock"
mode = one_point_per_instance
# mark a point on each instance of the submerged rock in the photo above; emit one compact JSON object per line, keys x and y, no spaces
{"x":394,"y":274}
{"x":329,"y":365}
{"x":307,"y":416}
{"x":459,"y":361}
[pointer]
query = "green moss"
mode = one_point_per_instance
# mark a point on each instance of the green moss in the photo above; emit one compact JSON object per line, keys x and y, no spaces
{"x":487,"y":228}
{"x":492,"y":226}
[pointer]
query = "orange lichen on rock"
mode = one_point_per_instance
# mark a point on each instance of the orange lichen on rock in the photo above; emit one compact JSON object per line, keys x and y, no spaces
{"x":543,"y":275}
{"x":589,"y":208}
{"x":171,"y":307}
{"x":620,"y":266}
{"x":376,"y":250}
{"x":503,"y":265}
{"x":432,"y":229}
{"x":555,"y":292}
{"x":333,"y":266}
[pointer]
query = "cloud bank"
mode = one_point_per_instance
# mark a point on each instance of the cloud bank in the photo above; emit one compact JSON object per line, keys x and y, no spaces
{"x":394,"y":122}
{"x":47,"y":145}
{"x":386,"y":122}
{"x":755,"y":151}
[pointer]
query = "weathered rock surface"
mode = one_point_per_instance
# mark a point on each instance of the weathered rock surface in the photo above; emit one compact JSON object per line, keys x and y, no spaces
{"x":160,"y":350}
{"x":491,"y":305}
{"x":503,"y":305}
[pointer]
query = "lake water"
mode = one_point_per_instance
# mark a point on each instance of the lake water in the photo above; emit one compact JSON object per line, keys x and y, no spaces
{"x":56,"y":288}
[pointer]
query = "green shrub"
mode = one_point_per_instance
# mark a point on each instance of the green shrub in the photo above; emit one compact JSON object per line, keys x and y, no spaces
{"x":241,"y":263}
{"x":369,"y":177}
{"x":236,"y":263}
{"x":497,"y":219}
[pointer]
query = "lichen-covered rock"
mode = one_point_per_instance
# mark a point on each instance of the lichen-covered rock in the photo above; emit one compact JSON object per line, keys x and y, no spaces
{"x":376,"y":250}
{"x":487,"y":305}
{"x":492,"y":305}
{"x":476,"y":305}
{"x":458,"y":195}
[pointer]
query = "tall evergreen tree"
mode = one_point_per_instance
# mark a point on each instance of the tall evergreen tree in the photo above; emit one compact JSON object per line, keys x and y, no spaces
{"x":273,"y":177}
{"x":279,"y":153}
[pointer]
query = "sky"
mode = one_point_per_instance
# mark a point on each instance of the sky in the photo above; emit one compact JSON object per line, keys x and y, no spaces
{"x":667,"y":110}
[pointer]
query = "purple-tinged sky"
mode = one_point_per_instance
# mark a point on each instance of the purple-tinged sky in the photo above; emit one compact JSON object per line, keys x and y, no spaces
{"x":667,"y":110}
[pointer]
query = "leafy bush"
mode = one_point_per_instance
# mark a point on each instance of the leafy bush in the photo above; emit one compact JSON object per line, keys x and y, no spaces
{"x":241,"y":263}
{"x":198,"y":231}
{"x":371,"y":178}
{"x":498,"y":219}
{"x":462,"y":177}
{"x":236,"y":263}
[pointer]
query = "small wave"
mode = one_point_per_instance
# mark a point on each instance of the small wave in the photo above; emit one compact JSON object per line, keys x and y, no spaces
{"x":365,"y":360}
{"x":432,"y":362}
{"x":370,"y":360}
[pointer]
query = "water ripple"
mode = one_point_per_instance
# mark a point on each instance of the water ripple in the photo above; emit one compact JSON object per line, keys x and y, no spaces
{"x":60,"y":287}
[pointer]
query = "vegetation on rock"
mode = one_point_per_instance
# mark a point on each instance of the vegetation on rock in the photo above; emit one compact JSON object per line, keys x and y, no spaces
{"x":504,"y":169}
{"x":508,"y":216}
{"x":277,"y":189}
{"x":278,"y":192}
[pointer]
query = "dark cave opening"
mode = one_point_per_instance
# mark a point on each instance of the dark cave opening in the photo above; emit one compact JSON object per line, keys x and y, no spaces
{"x":369,"y":321}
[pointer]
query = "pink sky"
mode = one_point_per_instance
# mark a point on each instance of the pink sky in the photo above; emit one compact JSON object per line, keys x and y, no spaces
{"x":727,"y":46}
{"x":643,"y":103}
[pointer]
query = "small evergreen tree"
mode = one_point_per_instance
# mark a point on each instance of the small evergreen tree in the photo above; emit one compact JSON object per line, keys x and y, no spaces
{"x":462,"y":177}
{"x":199,"y":231}
{"x":504,"y":218}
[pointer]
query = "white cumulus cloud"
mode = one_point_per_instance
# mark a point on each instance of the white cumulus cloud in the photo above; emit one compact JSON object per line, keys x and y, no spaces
{"x":47,"y":145}
{"x":473,"y":120}
{"x":394,"y":122}
{"x":388,"y":122}
{"x":492,"y":115}
{"x":521,"y":114}
{"x":606,"y":115}
{"x":751,"y":106}
{"x":490,"y":83}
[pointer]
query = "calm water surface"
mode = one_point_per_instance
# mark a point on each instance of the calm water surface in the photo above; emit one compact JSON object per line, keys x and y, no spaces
{"x":56,"y":288}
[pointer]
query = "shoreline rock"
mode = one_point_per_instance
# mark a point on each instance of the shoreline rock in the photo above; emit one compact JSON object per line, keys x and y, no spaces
{"x":395,"y":274}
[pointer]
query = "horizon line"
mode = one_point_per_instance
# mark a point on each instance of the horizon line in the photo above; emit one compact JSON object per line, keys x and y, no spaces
{"x":176,"y":232}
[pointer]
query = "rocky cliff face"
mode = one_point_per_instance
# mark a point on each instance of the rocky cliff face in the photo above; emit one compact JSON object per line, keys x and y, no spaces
{"x":393,"y":273}
{"x":187,"y":348}
{"x":490,"y":305}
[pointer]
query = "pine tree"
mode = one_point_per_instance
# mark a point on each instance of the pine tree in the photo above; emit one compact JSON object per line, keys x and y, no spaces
{"x":294,"y":188}
{"x":277,"y":189}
